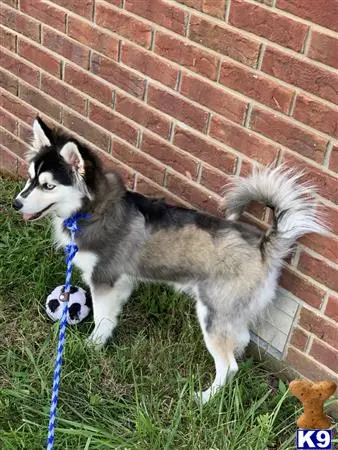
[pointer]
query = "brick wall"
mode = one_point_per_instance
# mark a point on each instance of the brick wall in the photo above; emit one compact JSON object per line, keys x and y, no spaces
{"x":178,"y":95}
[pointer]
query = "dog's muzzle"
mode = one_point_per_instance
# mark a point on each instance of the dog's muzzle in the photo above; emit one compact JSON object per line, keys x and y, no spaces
{"x":17,"y":204}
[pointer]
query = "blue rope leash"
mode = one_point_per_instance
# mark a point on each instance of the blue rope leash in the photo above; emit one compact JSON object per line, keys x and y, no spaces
{"x":70,"y":251}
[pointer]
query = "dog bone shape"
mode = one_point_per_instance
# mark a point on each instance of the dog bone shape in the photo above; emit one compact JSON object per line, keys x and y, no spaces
{"x":313,"y":395}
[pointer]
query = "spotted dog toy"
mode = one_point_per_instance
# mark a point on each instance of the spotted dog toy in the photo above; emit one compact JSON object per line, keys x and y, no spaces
{"x":79,"y":304}
{"x":313,"y":395}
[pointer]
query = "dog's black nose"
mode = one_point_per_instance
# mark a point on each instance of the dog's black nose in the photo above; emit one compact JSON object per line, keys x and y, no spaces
{"x":17,"y":204}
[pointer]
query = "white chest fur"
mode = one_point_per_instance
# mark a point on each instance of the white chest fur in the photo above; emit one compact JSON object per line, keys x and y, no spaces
{"x":61,"y":239}
{"x":84,"y":260}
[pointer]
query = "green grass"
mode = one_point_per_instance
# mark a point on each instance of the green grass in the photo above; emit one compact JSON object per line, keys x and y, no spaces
{"x":138,"y":392}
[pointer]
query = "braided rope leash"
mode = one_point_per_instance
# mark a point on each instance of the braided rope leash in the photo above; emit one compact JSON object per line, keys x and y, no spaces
{"x":70,"y":251}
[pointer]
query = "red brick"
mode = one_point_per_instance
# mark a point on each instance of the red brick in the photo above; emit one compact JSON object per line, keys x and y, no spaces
{"x":288,"y":134}
{"x":82,"y":7}
{"x":299,"y":339}
{"x":224,"y":103}
{"x":8,"y":39}
{"x":123,"y":24}
{"x":265,"y":2}
{"x":9,"y":82}
{"x":115,"y":2}
{"x":243,"y":140}
{"x":8,"y":161}
{"x":257,"y":86}
{"x":161,"y":12}
{"x":325,"y":355}
{"x":25,"y":132}
{"x":117,"y":75}
{"x":40,"y":58}
{"x":307,"y":366}
{"x":111,"y":164}
{"x":88,"y":84}
{"x":176,"y":159}
{"x":8,"y":121}
{"x":186,"y":54}
{"x":63,"y":93}
{"x":149,"y":64}
{"x":20,"y":23}
{"x":246,"y":168}
{"x":13,"y":3}
{"x":318,"y":325}
{"x":193,"y":193}
{"x":19,"y":68}
{"x":324,"y":48}
{"x":316,"y":114}
{"x":147,"y":187}
{"x":332,"y":308}
{"x":301,"y":73}
{"x":302,"y":288}
{"x":22,"y":168}
{"x":138,"y":161}
{"x":65,"y":47}
{"x":213,"y":7}
{"x":44,"y":12}
{"x":13,"y":143}
{"x":127,"y":174}
{"x":86,"y":130}
{"x":204,"y":150}
{"x":16,"y":107}
{"x":326,"y":246}
{"x":40,"y":101}
{"x":213,"y":179}
{"x":257,"y":210}
{"x":113,"y":123}
{"x":252,"y":217}
{"x":224,"y":40}
{"x":142,"y":114}
{"x":177,"y":107}
{"x":268,"y":24}
{"x":319,"y":270}
{"x":334,"y":158}
{"x":325,"y":184}
{"x":323,"y":12}
{"x":331,"y":216}
{"x":92,"y":36}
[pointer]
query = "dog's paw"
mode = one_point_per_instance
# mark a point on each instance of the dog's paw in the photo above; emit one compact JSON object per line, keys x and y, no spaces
{"x":204,"y":396}
{"x":95,"y":341}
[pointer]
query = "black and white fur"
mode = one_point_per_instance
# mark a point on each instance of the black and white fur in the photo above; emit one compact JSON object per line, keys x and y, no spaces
{"x":230,"y":268}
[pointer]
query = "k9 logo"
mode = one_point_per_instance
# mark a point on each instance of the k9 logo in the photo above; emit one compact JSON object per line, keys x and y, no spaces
{"x":314,"y":439}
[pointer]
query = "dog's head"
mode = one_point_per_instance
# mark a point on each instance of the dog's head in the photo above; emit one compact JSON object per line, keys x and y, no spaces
{"x":57,"y":175}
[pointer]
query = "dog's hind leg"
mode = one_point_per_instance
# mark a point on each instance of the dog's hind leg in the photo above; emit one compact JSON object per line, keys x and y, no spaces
{"x":221,"y":346}
{"x":107,"y":304}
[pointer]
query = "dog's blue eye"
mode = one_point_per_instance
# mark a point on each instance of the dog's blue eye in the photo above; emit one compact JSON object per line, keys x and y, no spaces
{"x":48,"y":186}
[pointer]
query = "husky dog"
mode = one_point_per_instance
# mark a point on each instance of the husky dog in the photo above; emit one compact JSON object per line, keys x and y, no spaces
{"x":230,"y":268}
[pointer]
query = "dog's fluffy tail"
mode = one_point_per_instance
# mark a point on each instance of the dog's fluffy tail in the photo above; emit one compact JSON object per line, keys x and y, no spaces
{"x":293,"y":204}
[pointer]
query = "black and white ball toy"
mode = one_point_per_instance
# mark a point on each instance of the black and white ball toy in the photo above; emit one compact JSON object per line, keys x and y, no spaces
{"x":79,"y":305}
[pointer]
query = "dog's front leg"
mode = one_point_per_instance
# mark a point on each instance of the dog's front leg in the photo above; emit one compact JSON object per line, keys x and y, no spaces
{"x":107,"y":304}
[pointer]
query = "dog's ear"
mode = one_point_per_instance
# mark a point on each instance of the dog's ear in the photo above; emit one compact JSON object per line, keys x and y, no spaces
{"x":42,"y":134}
{"x":42,"y":137}
{"x":71,"y":154}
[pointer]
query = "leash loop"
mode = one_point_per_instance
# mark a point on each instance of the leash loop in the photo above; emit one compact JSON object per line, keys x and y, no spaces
{"x":70,"y":251}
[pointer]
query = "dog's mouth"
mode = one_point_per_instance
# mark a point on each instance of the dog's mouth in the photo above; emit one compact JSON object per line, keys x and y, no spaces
{"x":37,"y":215}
